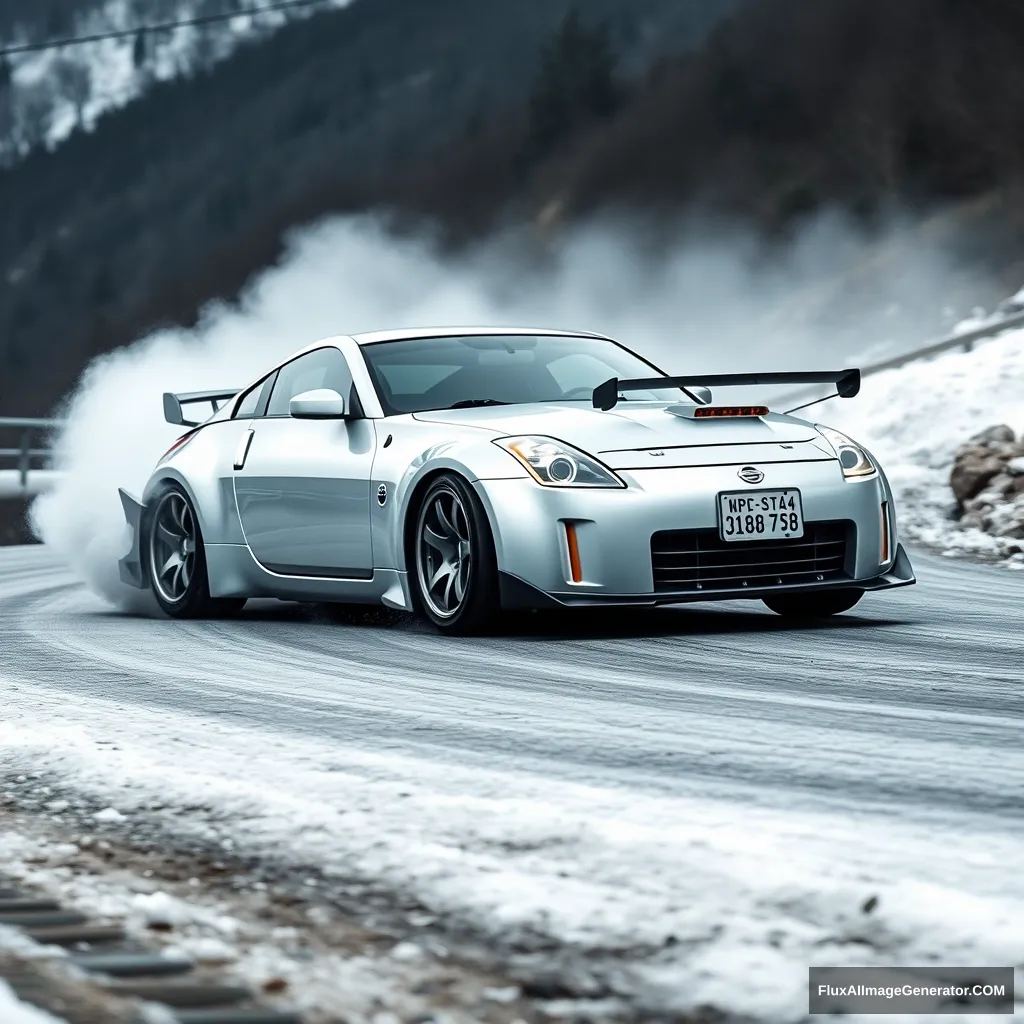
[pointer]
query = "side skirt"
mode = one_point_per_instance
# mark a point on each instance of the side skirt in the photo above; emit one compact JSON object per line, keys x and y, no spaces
{"x":234,"y":572}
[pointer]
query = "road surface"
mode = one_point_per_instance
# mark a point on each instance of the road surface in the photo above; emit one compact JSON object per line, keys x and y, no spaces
{"x":607,"y":779}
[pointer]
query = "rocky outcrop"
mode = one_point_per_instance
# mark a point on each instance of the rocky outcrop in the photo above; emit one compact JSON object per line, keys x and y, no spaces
{"x":988,"y":482}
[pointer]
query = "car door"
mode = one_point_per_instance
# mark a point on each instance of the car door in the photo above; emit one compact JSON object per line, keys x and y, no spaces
{"x":302,"y":487}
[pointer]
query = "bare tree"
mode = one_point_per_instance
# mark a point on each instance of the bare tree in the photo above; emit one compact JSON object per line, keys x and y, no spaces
{"x":74,"y":83}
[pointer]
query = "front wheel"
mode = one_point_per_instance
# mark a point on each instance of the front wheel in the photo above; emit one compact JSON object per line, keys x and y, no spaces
{"x":176,"y":561}
{"x":813,"y":605}
{"x":455,"y":573}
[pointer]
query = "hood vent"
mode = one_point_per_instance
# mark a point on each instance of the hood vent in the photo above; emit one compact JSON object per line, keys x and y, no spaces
{"x":710,"y":412}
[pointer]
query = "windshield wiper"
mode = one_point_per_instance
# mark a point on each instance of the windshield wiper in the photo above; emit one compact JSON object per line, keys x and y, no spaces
{"x":474,"y":403}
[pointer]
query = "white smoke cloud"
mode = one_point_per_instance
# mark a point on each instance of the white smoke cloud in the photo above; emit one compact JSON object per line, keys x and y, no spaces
{"x":711,"y":302}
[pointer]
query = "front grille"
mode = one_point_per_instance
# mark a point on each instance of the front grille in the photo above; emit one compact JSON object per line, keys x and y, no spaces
{"x":699,"y":560}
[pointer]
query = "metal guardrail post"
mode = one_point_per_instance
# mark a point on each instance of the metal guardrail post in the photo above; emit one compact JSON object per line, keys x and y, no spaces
{"x":27,"y":459}
{"x":23,"y":457}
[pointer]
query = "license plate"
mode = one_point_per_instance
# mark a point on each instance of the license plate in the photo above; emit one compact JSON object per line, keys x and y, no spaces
{"x":760,"y":515}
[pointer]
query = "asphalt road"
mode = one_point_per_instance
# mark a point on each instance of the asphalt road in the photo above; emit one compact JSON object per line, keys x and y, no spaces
{"x":914,"y":699}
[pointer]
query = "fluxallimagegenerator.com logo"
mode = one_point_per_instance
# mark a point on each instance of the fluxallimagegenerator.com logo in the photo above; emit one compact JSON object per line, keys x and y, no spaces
{"x":921,"y":990}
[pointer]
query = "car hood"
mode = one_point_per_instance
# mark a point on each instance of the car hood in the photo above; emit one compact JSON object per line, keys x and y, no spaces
{"x":628,"y":428}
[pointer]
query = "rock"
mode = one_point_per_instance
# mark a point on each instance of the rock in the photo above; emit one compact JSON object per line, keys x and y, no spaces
{"x":1012,"y":528}
{"x":988,"y":482}
{"x":109,"y":815}
{"x":1005,"y":451}
{"x":1002,"y":433}
{"x":1007,"y":519}
{"x":972,"y":470}
{"x":1000,"y":486}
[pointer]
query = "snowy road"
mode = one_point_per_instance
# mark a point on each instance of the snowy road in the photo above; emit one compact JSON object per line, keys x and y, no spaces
{"x":702,"y":791}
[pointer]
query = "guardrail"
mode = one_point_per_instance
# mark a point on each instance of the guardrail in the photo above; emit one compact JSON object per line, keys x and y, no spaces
{"x":29,"y":477}
{"x":964,"y":341}
{"x":30,"y":473}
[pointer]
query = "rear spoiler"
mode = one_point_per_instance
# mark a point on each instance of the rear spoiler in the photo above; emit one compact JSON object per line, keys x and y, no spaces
{"x":606,"y":395}
{"x":173,"y":403}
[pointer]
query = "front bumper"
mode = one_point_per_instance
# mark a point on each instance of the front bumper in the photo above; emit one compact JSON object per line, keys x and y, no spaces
{"x":614,"y":529}
{"x":518,"y":594}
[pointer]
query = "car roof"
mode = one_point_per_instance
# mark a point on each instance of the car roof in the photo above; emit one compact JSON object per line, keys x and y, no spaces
{"x":412,"y":333}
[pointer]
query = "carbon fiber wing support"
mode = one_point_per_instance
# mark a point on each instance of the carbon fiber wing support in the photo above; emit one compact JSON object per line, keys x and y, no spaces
{"x":847,"y":382}
{"x":173,"y":403}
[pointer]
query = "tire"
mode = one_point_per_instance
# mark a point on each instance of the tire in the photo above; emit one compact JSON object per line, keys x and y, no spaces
{"x":175,"y":560}
{"x":454,"y":569}
{"x":814,"y":605}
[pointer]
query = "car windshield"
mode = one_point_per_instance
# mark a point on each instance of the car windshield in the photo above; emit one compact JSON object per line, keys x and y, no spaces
{"x":421,"y":374}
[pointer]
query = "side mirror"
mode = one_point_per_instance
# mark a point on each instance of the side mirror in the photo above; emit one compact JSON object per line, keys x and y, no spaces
{"x":704,"y":394}
{"x":321,"y":404}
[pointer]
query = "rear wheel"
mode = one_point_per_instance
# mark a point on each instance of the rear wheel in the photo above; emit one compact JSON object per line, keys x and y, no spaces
{"x":455,"y":573}
{"x":176,"y":561}
{"x":814,"y":605}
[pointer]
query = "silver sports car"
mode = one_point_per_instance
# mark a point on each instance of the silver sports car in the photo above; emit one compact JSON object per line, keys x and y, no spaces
{"x":458,"y":472}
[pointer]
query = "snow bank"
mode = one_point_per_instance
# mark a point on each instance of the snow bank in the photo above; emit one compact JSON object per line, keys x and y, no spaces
{"x":914,"y":419}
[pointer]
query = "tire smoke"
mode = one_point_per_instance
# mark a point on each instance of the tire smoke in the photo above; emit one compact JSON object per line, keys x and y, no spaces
{"x":712,"y":301}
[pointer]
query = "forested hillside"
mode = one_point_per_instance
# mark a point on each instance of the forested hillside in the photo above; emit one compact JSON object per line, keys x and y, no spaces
{"x":180,"y":196}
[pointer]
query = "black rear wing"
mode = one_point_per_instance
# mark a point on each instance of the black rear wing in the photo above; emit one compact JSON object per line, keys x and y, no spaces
{"x":173,"y":403}
{"x":606,"y":395}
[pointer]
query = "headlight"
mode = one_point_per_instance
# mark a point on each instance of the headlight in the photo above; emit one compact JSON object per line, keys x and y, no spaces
{"x":854,"y":461}
{"x":557,"y":464}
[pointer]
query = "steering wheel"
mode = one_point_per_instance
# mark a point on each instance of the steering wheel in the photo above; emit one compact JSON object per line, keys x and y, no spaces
{"x":578,"y":393}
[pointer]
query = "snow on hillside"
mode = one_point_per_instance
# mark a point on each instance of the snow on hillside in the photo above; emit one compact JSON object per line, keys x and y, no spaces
{"x":54,"y":91}
{"x":915,"y":418}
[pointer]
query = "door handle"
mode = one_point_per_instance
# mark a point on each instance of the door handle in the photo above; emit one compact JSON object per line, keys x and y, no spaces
{"x":243,"y":448}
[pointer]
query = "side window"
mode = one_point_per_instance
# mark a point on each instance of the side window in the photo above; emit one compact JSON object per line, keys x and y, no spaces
{"x":250,"y":401}
{"x":323,"y":368}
